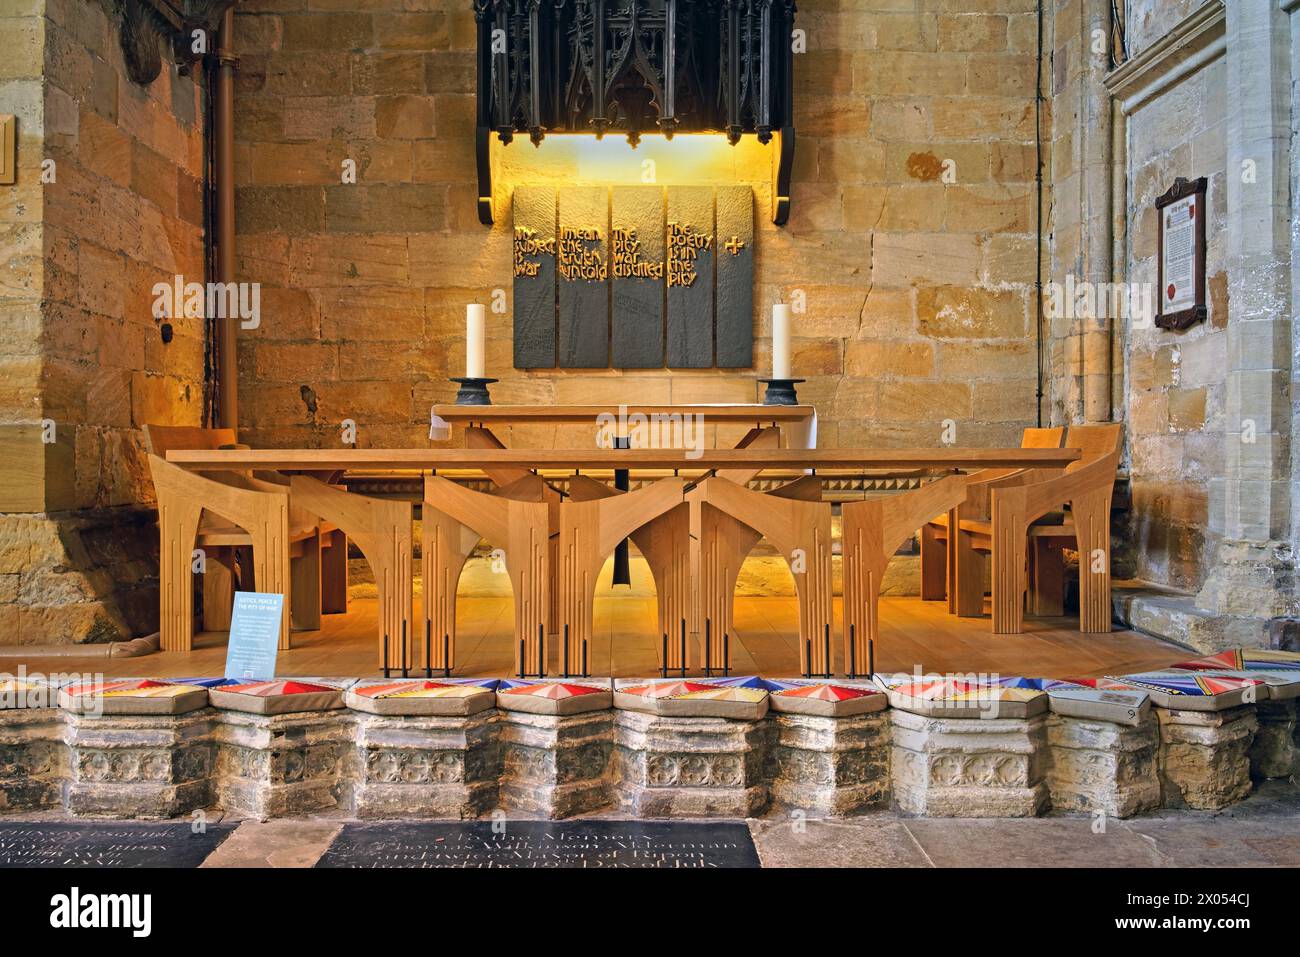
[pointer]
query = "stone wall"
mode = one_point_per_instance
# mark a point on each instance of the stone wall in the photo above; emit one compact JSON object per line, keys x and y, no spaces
{"x":918,"y":290}
{"x":119,"y":208}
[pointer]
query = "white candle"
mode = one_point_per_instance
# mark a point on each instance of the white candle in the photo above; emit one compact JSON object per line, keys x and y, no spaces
{"x":781,"y":341}
{"x":475,"y":333}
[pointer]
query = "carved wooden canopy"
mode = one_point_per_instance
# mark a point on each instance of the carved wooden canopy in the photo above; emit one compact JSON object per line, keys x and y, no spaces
{"x":186,"y":28}
{"x":634,"y":66}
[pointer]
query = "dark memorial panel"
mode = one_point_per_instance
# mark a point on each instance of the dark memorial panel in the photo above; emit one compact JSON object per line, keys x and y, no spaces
{"x":582,"y":265}
{"x":544,"y":844}
{"x":59,"y":844}
{"x":534,"y":272}
{"x":637,"y":265}
{"x":735,"y":289}
{"x":690,"y":277}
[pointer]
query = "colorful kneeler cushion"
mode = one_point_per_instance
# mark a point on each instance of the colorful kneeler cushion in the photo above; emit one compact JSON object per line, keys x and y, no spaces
{"x":277,"y":697}
{"x":825,"y":699}
{"x":951,"y":697}
{"x":132,"y":696}
{"x":551,"y":697}
{"x":693,"y":699}
{"x":419,"y":697}
{"x":1185,"y":690}
{"x":1245,"y":659}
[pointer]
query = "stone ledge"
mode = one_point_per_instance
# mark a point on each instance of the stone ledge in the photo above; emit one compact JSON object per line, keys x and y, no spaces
{"x":531,"y":765}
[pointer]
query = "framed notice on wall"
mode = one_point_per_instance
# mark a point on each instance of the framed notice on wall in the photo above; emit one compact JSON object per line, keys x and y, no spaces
{"x":1182,"y":214}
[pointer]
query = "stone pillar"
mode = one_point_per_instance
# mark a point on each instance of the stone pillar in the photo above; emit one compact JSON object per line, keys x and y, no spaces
{"x":1273,"y":754}
{"x":554,"y":766}
{"x":1103,"y":766}
{"x":33,"y":759}
{"x":689,"y":767}
{"x":426,"y":767}
{"x":138,"y":766}
{"x":1254,"y":576}
{"x":969,"y":767}
{"x":831,"y":766}
{"x":284,"y":764}
{"x":1204,"y":756}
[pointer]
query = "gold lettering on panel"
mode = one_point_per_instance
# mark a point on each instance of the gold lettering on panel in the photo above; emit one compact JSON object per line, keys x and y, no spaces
{"x":577,"y":260}
{"x":626,"y":257}
{"x":684,"y":245}
{"x":528,"y":245}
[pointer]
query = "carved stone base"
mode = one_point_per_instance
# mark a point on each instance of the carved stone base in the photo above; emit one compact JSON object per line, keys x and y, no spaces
{"x":138,"y":766}
{"x":693,"y":767}
{"x":286,"y":764}
{"x":1273,"y":753}
{"x":33,"y":759}
{"x":554,"y":766}
{"x":1100,"y":766}
{"x":969,"y":767}
{"x":1205,"y":756}
{"x":831,"y":766}
{"x":428,"y":767}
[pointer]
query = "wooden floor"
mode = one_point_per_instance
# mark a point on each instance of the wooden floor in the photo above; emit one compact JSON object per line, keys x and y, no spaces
{"x":913,"y":633}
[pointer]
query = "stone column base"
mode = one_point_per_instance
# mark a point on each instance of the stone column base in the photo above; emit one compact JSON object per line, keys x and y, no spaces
{"x":1204,"y":756}
{"x":33,"y":759}
{"x":690,"y":767}
{"x":1273,"y":754}
{"x":554,"y":766}
{"x":138,"y":766}
{"x":426,"y":767}
{"x":831,"y":766}
{"x":1102,"y":766}
{"x":284,"y":764}
{"x":969,"y":767}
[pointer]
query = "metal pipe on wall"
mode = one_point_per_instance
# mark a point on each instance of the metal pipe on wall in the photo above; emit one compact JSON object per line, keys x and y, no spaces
{"x":224,"y":96}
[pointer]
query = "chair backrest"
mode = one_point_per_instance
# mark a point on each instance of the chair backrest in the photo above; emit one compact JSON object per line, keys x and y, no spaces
{"x":1042,"y":438}
{"x":161,"y":439}
{"x":1093,"y":442}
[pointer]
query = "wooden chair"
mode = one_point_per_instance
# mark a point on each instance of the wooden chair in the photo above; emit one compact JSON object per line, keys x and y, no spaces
{"x":589,"y":531}
{"x":872,"y":531}
{"x":957,"y":574}
{"x":189,"y":506}
{"x":731,"y":516}
{"x":1086,"y":487}
{"x":222,"y":539}
{"x":381,"y":528}
{"x":515,"y":518}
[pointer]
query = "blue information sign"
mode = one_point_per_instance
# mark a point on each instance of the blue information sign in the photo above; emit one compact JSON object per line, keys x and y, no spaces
{"x":254,"y":636}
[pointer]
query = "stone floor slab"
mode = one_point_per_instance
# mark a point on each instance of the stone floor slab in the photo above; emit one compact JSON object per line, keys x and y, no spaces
{"x":1050,"y":842}
{"x":880,"y":842}
{"x":285,"y":843}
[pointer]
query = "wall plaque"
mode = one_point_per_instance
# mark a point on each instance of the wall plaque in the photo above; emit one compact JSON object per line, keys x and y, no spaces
{"x":690,"y":277}
{"x":734,"y":333}
{"x":582,"y":276}
{"x":637,"y":261}
{"x":534,"y":272}
{"x":637,"y":277}
{"x":1182,"y":212}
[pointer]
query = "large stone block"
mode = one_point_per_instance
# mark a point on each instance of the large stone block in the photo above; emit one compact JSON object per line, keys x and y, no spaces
{"x":278,"y":765}
{"x":138,"y":766}
{"x":427,"y":767}
{"x":1205,"y":756}
{"x":1274,"y":753}
{"x":33,"y":758}
{"x":1101,"y":766}
{"x":694,"y":767}
{"x":554,"y":766}
{"x":969,"y":767}
{"x":832,"y":766}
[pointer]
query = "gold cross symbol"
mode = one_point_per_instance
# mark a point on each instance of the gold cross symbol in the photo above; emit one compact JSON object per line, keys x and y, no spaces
{"x":734,"y":245}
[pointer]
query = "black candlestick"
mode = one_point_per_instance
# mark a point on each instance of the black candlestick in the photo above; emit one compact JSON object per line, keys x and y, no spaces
{"x":781,"y":391}
{"x":473,"y":391}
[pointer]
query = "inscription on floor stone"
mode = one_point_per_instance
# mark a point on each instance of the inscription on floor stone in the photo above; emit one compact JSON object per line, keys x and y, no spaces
{"x":58,"y":844}
{"x":544,"y":844}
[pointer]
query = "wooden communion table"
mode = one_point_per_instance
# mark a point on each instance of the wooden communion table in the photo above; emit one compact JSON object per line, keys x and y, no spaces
{"x":693,"y":527}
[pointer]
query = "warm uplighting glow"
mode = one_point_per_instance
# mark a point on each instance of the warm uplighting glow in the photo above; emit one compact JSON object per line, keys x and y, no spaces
{"x":686,"y":159}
